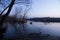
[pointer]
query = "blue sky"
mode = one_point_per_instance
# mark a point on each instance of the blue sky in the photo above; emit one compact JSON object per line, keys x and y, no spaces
{"x":41,"y":8}
{"x":45,"y":8}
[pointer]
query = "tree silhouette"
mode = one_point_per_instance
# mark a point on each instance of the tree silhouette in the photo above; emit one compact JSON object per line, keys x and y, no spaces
{"x":5,"y":16}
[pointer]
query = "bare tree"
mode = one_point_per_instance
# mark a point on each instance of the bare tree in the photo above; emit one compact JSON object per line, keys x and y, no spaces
{"x":4,"y":17}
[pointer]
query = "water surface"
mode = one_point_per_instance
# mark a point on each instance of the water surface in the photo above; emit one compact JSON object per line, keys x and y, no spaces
{"x":35,"y":27}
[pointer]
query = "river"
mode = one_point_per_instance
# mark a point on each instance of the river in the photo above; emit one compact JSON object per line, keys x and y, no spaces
{"x":35,"y":27}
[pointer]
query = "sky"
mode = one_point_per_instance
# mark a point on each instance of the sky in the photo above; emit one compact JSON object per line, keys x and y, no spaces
{"x":45,"y":8}
{"x":40,"y":8}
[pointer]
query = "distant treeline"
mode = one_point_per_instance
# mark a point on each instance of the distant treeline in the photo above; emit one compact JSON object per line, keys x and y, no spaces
{"x":45,"y":19}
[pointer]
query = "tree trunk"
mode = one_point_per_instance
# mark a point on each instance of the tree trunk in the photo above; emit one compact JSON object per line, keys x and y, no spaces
{"x":3,"y":18}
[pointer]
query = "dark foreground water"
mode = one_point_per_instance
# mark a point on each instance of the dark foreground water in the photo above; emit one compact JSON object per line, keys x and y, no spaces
{"x":36,"y":27}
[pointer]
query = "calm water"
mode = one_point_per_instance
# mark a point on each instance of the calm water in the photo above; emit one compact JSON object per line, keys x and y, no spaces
{"x":45,"y":28}
{"x":35,"y":27}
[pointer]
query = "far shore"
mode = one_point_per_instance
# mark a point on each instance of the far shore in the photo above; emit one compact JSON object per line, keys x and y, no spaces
{"x":45,"y":19}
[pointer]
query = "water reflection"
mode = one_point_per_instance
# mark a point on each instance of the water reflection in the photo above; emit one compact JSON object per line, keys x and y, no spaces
{"x":36,"y":27}
{"x":46,"y":28}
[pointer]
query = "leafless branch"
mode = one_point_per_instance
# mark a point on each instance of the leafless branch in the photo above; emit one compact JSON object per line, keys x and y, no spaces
{"x":26,"y":12}
{"x":3,"y":10}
